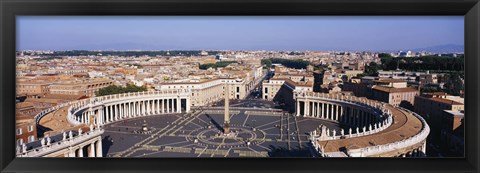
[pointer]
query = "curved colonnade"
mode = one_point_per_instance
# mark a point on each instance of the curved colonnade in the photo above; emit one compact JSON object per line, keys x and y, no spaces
{"x":375,"y":129}
{"x":108,"y":109}
{"x":98,"y":111}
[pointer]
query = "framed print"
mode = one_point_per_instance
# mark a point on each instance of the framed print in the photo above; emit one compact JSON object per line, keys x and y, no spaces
{"x":276,"y":86}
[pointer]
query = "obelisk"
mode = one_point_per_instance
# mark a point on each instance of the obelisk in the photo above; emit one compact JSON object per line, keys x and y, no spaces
{"x":226,"y":123}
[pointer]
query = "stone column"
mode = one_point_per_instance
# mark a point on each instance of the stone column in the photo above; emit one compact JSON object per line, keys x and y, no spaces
{"x":168,"y":105}
{"x":91,"y":150}
{"x":134,"y":110}
{"x":187,"y":100}
{"x":318,"y":109}
{"x":99,"y":117}
{"x":322,"y":110}
{"x":297,"y":106}
{"x":424,"y":148}
{"x":80,"y":152}
{"x":115,"y":112}
{"x":83,"y":117}
{"x":179,"y":107}
{"x":144,"y":108}
{"x":341,"y":113}
{"x":99,"y":148}
{"x":120,"y":111}
{"x":107,"y":120}
{"x":337,"y":112}
{"x":314,"y":107}
{"x":71,"y":152}
{"x":129,"y":109}
{"x":158,"y":106}
{"x":139,"y":108}
{"x":163,"y":105}
{"x":125,"y":110}
{"x":305,"y":107}
{"x":154,"y":106}
{"x":148,"y":104}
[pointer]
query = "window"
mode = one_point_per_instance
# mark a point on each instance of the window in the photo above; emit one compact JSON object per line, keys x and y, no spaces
{"x":19,"y":131}
{"x":31,"y":138}
{"x":20,"y":141}
{"x":30,"y":128}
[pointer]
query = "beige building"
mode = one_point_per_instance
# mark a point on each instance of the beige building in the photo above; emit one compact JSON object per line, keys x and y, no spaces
{"x":392,"y":83}
{"x":32,"y":88}
{"x":271,"y":87}
{"x":292,"y":77}
{"x":209,"y":91}
{"x":432,"y":107}
{"x":403,"y":97}
{"x":428,"y":78}
{"x":80,"y":87}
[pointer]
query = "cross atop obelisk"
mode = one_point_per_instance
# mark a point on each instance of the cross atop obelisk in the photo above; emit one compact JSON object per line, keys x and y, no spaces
{"x":226,"y":123}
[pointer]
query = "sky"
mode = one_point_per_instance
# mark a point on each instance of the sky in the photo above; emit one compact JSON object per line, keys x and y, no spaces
{"x":291,"y":33}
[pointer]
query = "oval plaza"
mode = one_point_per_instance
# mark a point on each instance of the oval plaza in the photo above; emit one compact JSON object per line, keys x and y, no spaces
{"x":166,"y":124}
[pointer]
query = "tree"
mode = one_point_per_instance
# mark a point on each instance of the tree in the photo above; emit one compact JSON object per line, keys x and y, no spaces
{"x":384,"y":55}
{"x":453,"y":83}
{"x":113,"y":89}
{"x":216,"y":65}
{"x":298,"y":63}
{"x":266,"y":62}
{"x":372,"y":69}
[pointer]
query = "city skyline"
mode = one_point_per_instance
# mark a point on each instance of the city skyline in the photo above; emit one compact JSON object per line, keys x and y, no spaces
{"x":315,"y":33}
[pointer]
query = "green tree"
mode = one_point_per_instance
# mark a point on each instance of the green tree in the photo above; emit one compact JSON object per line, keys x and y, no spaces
{"x":113,"y":89}
{"x":372,"y":69}
{"x":266,"y":62}
{"x":216,"y":65}
{"x":384,"y":55}
{"x":298,"y":63}
{"x":453,"y":83}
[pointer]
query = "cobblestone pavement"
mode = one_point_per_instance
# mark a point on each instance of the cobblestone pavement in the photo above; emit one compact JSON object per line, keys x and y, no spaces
{"x":197,"y":134}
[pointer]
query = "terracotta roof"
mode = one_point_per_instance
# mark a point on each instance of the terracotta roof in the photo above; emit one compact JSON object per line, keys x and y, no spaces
{"x":445,"y":101}
{"x":437,"y":93}
{"x":63,"y":96}
{"x":23,"y":105}
{"x":307,"y":84}
{"x":20,"y":116}
{"x":406,"y":125}
{"x":393,"y":90}
{"x":388,"y":80}
{"x":44,"y":100}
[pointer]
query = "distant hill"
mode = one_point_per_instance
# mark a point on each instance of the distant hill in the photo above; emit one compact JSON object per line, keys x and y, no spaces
{"x":442,"y":48}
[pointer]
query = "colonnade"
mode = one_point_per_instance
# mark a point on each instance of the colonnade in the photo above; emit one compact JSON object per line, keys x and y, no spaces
{"x":92,"y":149}
{"x":418,"y":152}
{"x":81,"y":144}
{"x":352,"y":115}
{"x":111,"y":112}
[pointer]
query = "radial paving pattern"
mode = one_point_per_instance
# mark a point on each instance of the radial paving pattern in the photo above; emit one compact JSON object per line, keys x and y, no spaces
{"x":199,"y":134}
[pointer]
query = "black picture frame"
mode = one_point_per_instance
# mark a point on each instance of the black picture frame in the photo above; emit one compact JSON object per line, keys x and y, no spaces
{"x":11,"y":8}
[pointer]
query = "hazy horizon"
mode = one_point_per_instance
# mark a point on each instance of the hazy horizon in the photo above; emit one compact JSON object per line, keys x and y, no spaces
{"x":248,"y":33}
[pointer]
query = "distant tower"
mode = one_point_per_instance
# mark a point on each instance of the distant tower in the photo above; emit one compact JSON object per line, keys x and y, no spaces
{"x":226,"y":123}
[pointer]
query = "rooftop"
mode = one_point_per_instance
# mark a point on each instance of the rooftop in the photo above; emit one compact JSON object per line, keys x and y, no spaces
{"x":394,"y":90}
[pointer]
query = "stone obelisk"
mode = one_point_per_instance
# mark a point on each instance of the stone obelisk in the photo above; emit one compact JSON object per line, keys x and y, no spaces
{"x":226,"y":123}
